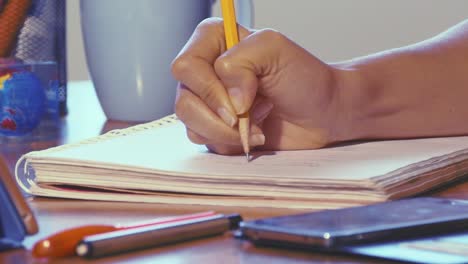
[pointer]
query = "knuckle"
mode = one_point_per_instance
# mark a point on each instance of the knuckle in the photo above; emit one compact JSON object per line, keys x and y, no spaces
{"x":210,"y":23}
{"x":180,"y":66}
{"x":224,"y":66}
{"x":271,"y":36}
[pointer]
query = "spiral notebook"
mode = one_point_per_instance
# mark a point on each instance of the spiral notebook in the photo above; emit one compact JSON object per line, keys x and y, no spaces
{"x":156,"y":163}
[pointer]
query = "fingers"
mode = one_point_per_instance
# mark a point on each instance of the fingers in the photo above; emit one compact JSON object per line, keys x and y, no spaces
{"x":256,"y":139}
{"x":200,"y":119}
{"x":224,"y":149}
{"x":216,"y":85}
{"x":194,"y":67}
{"x":261,"y":108}
{"x":241,"y":83}
{"x":206,"y":128}
{"x":216,"y":135}
{"x":240,"y":67}
{"x":196,"y":138}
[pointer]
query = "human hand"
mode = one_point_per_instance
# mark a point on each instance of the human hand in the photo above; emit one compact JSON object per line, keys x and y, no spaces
{"x":293,"y":97}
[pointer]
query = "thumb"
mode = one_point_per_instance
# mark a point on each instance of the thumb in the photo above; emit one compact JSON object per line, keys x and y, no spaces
{"x":239,"y":67}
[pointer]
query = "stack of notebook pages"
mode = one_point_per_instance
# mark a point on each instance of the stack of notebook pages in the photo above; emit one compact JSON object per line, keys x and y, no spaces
{"x":156,"y":163}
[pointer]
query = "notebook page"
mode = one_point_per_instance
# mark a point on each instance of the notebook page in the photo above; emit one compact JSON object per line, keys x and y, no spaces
{"x":167,"y":150}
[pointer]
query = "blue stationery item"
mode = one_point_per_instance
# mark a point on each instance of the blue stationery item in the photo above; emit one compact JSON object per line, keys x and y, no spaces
{"x":12,"y":229}
{"x":16,"y":218}
{"x":22,"y":100}
{"x":29,"y":98}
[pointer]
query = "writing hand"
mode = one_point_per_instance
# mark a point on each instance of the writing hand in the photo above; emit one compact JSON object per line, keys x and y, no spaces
{"x":293,"y":97}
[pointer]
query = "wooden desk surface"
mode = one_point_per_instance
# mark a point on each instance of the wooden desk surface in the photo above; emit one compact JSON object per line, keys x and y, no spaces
{"x":86,"y":119}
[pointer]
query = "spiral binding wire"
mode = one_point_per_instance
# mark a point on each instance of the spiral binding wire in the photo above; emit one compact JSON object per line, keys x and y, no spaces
{"x":171,"y":119}
{"x":25,"y":175}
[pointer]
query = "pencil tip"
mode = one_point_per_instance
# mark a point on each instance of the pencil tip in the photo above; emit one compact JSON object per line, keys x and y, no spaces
{"x":247,"y":156}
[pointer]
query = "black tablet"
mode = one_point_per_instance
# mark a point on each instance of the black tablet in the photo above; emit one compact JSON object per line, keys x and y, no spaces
{"x":332,"y":229}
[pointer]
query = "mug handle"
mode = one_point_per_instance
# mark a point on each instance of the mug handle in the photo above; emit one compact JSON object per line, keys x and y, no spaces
{"x":245,"y":12}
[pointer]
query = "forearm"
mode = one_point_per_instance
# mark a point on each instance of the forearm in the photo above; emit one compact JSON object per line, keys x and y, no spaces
{"x":415,"y":91}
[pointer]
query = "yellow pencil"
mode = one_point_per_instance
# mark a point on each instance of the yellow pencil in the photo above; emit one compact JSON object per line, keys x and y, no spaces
{"x":232,"y":38}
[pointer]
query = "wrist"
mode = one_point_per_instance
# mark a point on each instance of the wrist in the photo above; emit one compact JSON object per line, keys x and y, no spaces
{"x":351,"y":99}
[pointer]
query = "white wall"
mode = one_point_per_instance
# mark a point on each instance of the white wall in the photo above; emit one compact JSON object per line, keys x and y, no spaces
{"x":331,"y":29}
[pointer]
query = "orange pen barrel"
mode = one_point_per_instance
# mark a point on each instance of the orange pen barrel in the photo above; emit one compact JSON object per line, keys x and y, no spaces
{"x":63,"y":244}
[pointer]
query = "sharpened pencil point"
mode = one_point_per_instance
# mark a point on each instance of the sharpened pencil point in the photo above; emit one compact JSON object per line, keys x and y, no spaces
{"x":247,"y":156}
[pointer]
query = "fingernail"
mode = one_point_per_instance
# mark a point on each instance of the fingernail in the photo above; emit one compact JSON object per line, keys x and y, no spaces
{"x":261,"y":111}
{"x":257,"y":140}
{"x":227,"y":117}
{"x":236,"y":99}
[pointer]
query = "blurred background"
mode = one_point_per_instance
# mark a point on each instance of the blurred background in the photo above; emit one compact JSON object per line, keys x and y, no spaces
{"x":331,"y":29}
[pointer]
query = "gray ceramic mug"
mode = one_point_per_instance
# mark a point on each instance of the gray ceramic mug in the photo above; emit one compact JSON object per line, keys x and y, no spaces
{"x":129,"y":47}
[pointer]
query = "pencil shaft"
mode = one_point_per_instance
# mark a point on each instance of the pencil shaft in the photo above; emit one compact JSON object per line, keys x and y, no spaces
{"x":244,"y":131}
{"x":232,"y":38}
{"x":230,"y":23}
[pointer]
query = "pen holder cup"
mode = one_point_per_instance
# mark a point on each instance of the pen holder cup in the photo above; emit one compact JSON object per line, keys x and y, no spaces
{"x":32,"y":65}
